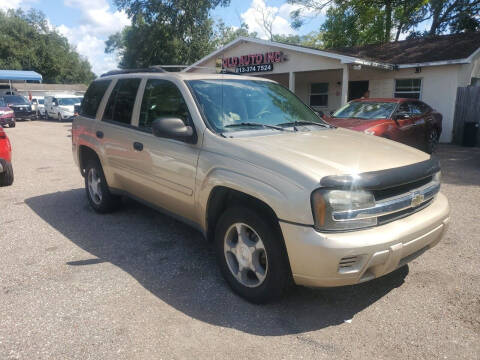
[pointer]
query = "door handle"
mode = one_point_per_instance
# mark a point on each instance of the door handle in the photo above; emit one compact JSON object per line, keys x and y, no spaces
{"x":138,"y":146}
{"x":99,"y":134}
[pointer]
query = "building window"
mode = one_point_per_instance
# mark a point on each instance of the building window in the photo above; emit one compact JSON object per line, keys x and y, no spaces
{"x":408,"y":88}
{"x":319,"y":94}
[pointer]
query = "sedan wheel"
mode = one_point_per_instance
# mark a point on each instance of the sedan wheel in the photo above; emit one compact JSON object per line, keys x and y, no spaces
{"x":432,"y":140}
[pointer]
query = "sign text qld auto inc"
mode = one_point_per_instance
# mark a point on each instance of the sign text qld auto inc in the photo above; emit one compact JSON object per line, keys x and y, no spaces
{"x":253,"y":62}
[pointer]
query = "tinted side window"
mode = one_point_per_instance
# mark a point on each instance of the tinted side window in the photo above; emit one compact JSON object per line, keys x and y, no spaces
{"x":424,"y":108}
{"x":92,"y":98}
{"x":415,"y":108}
{"x":161,"y":99}
{"x":404,"y":108}
{"x":120,"y":104}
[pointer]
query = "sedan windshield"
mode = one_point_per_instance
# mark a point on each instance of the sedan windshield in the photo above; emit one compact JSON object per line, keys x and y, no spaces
{"x":16,"y":100}
{"x":234,"y":105}
{"x":366,"y":110}
{"x":69,"y":101}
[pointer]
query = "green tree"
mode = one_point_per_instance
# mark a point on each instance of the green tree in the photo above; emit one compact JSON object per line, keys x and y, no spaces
{"x":225,"y":34}
{"x":458,"y":15}
{"x":164,"y":32}
{"x":27,"y":43}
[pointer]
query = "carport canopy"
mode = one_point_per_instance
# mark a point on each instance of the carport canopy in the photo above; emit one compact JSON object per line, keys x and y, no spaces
{"x":20,"y":75}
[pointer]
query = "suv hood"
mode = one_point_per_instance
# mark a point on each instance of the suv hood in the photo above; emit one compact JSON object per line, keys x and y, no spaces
{"x":325,"y":152}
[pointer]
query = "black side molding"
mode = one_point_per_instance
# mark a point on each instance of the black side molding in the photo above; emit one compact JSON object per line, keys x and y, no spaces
{"x":383,"y":179}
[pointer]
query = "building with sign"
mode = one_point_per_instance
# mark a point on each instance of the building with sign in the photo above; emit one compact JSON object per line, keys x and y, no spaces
{"x":430,"y":69}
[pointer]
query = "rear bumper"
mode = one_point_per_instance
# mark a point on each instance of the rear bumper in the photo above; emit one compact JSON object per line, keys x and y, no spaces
{"x":336,"y":259}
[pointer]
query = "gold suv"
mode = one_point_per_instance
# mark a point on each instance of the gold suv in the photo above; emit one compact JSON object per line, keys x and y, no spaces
{"x":283,"y":196}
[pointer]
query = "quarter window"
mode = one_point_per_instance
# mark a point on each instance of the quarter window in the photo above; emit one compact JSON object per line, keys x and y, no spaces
{"x":92,"y":98}
{"x":120,"y":104}
{"x":161,"y":98}
{"x":408,"y":88}
{"x":319,"y":94}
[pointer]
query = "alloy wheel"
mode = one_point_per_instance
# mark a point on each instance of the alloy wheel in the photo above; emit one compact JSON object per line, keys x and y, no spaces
{"x":245,"y":255}
{"x":94,"y":186}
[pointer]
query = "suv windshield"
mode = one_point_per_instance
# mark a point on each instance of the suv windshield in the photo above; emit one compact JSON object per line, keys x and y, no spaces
{"x":16,"y":100}
{"x":366,"y":110}
{"x":69,"y":101}
{"x":233,"y":105}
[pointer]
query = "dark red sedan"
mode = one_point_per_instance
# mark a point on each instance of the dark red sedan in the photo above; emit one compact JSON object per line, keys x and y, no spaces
{"x":6,"y":170}
{"x":409,"y":121}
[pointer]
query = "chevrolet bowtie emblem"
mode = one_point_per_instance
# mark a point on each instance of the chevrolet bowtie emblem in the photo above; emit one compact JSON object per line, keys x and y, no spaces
{"x":417,"y":199}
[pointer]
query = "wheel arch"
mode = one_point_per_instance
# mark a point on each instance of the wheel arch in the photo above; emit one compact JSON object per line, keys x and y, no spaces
{"x":221,"y":197}
{"x":86,"y":153}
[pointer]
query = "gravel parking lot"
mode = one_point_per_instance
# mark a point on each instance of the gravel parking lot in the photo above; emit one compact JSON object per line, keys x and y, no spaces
{"x":137,"y":284}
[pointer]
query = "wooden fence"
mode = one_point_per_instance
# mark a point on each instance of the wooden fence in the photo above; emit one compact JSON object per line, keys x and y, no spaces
{"x":467,"y":110}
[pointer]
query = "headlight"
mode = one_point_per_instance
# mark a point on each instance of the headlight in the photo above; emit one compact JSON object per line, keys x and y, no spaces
{"x":437,"y":178}
{"x":369,"y":132}
{"x":2,"y":112}
{"x":326,"y":202}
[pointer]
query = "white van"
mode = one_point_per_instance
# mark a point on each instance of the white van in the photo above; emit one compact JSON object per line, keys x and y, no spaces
{"x":61,"y":107}
{"x":38,"y":105}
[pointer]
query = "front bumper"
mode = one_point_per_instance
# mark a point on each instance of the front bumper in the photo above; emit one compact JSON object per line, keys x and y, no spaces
{"x":24,"y":115}
{"x":7,"y":120}
{"x":336,"y":259}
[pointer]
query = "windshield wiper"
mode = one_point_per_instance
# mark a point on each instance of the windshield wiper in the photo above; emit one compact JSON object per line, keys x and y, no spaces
{"x":302,"y":122}
{"x":256,"y":125}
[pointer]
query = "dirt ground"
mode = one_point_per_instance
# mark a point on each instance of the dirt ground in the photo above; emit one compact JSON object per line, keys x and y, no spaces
{"x":138,"y":285}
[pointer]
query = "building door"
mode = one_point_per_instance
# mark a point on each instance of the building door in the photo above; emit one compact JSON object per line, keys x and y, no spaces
{"x":356,"y":89}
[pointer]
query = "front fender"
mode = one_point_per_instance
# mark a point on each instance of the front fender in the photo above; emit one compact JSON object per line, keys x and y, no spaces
{"x":288,"y":200}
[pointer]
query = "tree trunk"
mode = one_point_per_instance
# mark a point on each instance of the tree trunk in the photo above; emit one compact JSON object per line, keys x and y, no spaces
{"x":399,"y":31}
{"x":436,"y":9}
{"x":388,"y":20}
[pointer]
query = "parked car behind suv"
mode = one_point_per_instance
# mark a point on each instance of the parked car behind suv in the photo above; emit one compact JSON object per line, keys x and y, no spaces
{"x":6,"y":169}
{"x":7,"y":117}
{"x":20,"y":106}
{"x":409,"y":121}
{"x":61,"y":107}
{"x":283,"y":195}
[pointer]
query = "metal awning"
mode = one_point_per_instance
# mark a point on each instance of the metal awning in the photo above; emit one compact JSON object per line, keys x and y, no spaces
{"x":20,"y":75}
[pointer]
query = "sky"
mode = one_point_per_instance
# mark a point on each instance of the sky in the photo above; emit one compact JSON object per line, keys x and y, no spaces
{"x":88,"y":23}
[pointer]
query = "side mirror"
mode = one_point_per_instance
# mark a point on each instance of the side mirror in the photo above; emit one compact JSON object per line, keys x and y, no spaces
{"x":172,"y":128}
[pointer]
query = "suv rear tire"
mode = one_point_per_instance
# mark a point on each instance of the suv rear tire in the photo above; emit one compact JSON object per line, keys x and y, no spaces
{"x":255,"y":264}
{"x":6,"y":178}
{"x":98,"y":193}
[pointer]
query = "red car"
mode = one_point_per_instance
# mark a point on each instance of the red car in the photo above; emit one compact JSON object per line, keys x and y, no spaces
{"x":7,"y":116}
{"x":408,"y":121}
{"x":6,"y":170}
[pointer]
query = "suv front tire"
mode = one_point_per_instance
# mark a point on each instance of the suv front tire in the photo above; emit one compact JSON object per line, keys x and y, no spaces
{"x":251,"y":255}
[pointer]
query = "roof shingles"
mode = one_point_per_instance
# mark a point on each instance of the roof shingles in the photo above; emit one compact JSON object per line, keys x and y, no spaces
{"x":428,"y":49}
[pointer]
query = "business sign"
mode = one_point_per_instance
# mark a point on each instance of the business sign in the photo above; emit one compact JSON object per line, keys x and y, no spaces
{"x":253,"y":62}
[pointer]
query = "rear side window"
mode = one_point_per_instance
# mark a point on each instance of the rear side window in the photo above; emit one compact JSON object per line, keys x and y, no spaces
{"x":161,"y":99}
{"x":120,"y":105}
{"x":92,"y":98}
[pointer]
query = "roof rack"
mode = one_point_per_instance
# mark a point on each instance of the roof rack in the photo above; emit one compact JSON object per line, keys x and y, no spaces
{"x":152,"y":69}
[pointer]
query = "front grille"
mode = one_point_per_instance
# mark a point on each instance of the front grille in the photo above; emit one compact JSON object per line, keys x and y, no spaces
{"x":400,"y":189}
{"x":401,"y":214}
